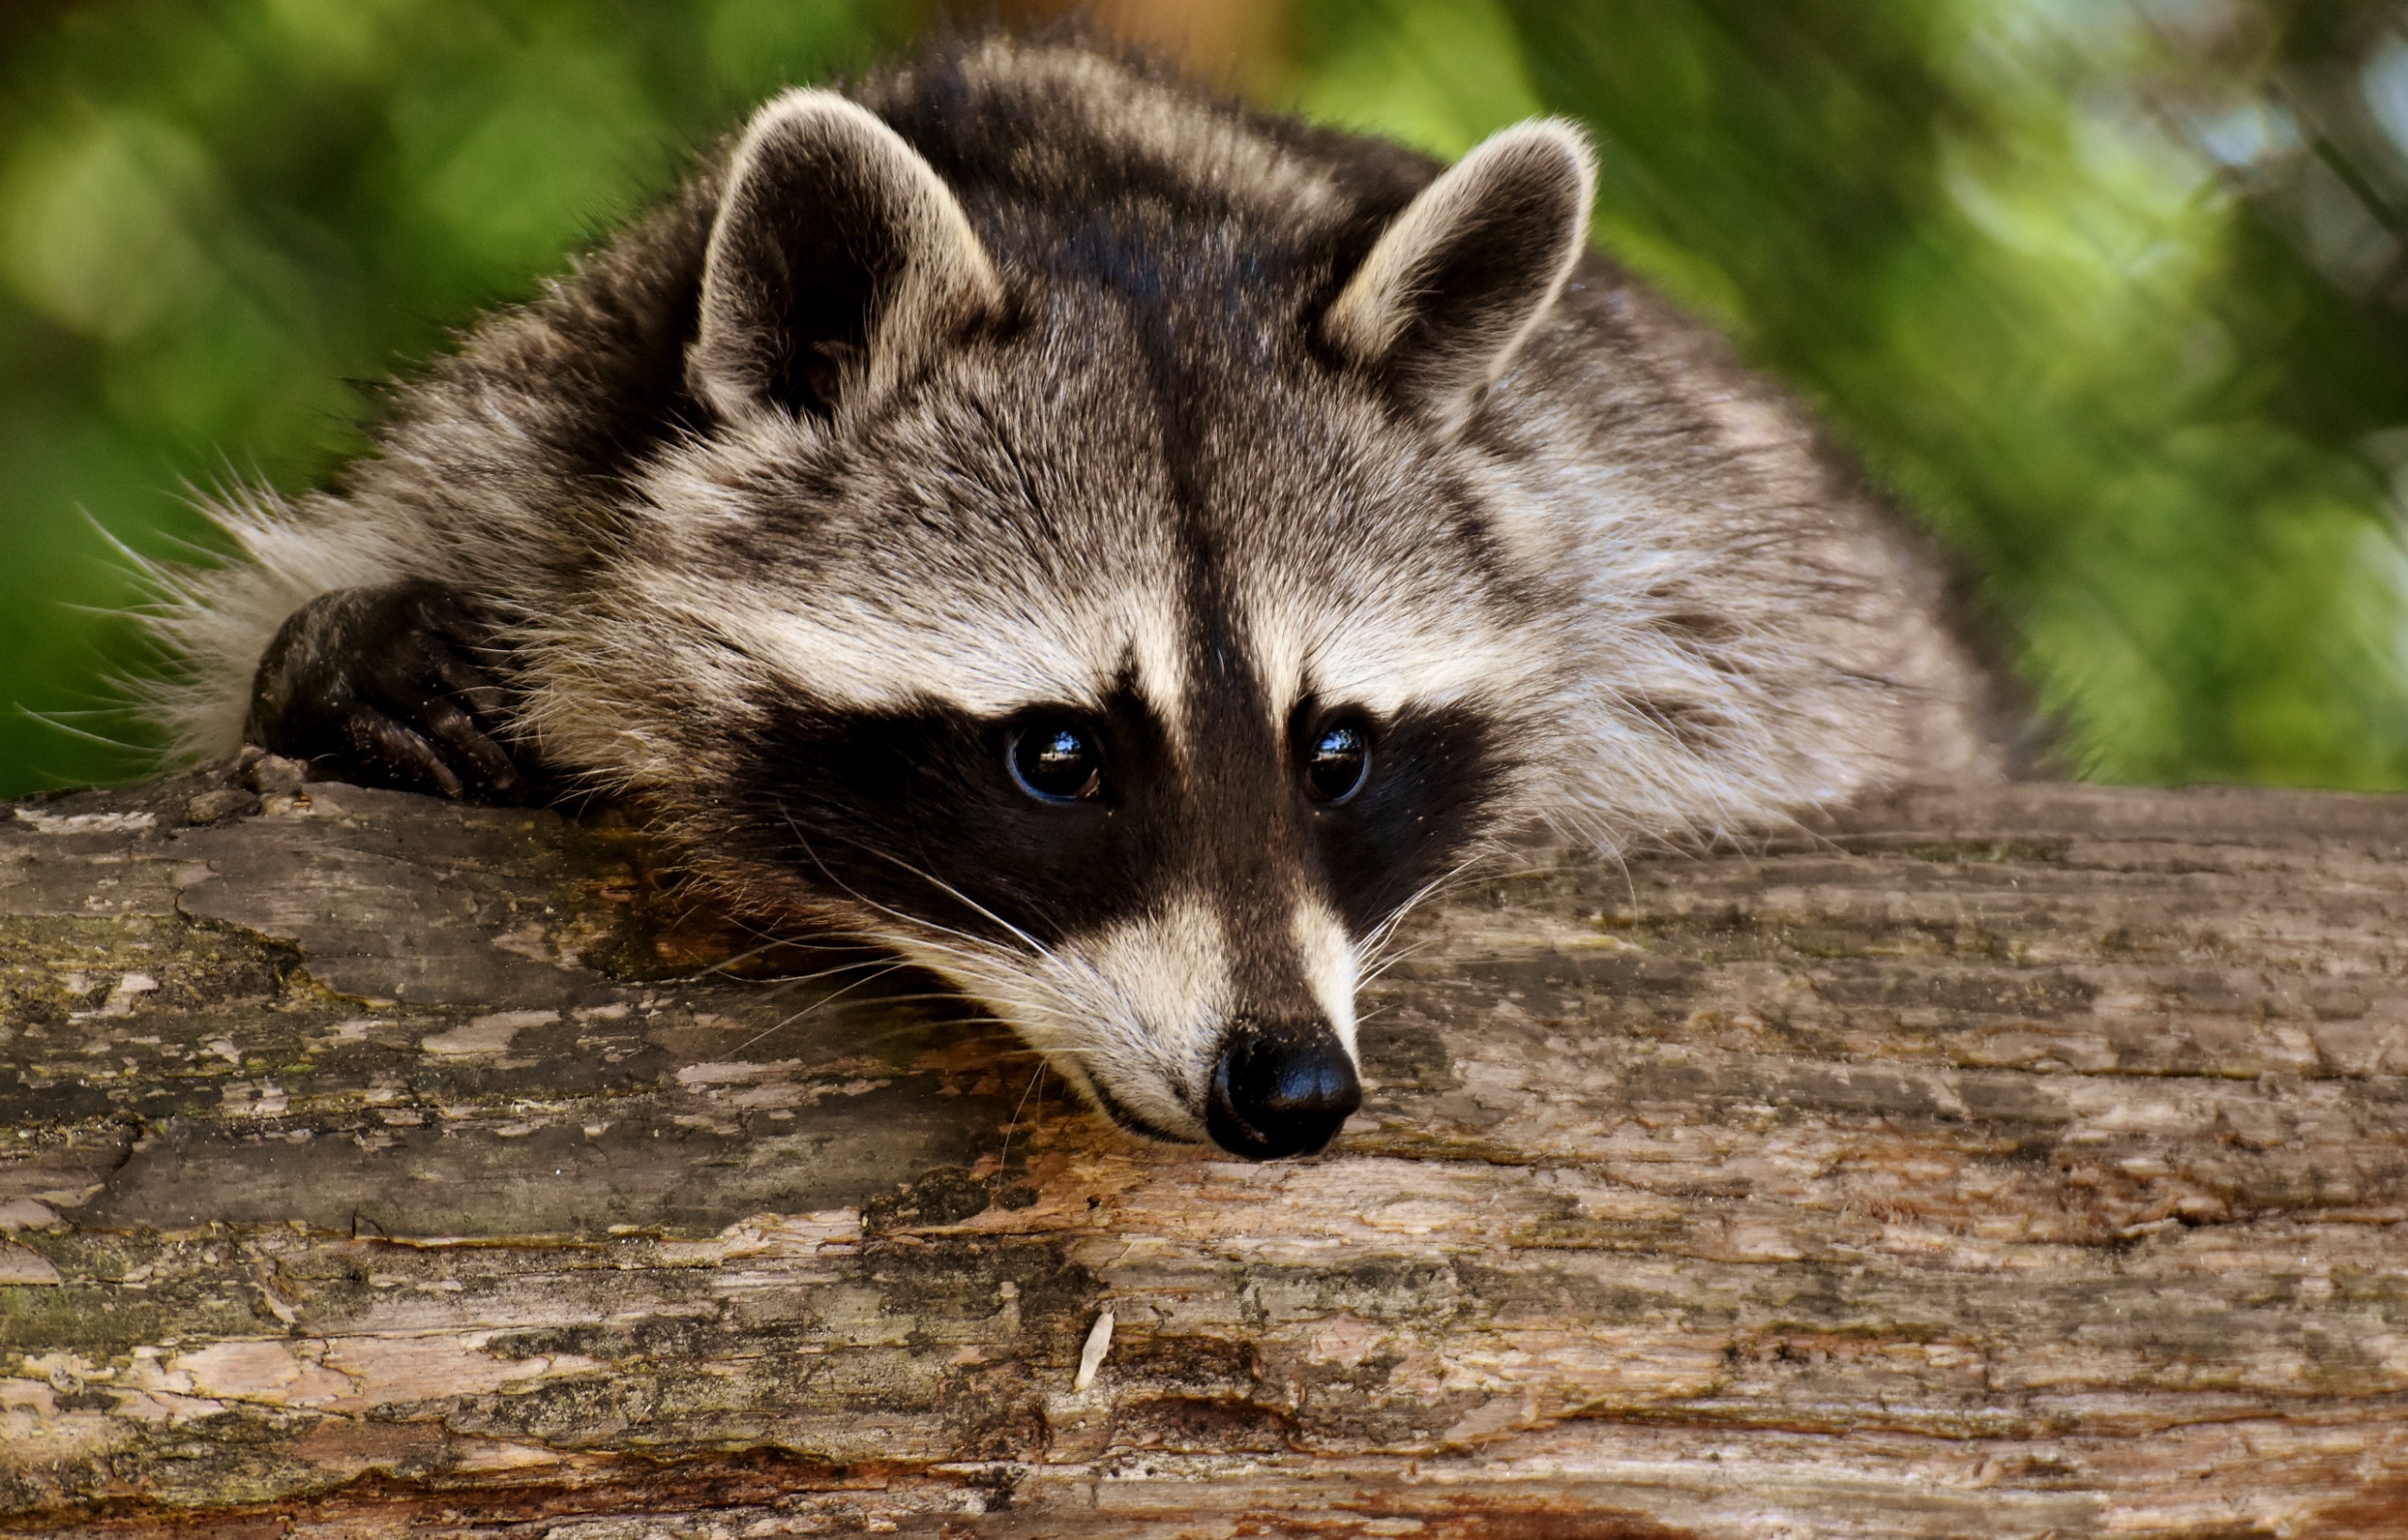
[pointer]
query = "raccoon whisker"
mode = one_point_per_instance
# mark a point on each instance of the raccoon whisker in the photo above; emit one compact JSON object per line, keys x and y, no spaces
{"x":969,"y":960}
{"x":974,"y":970}
{"x":769,"y":938}
{"x":788,"y":1020}
{"x":964,"y":953}
{"x":918,"y":929}
{"x":782,"y":982}
{"x":772,"y":988}
{"x":816,"y":1005}
{"x":956,"y":895}
{"x":1391,"y":960}
{"x":911,"y":922}
{"x":769,"y":943}
{"x":860,"y":1041}
{"x":1375,"y":945}
{"x":867,"y":1041}
{"x":863,"y":1041}
{"x":1380,"y":939}
{"x":912,"y":933}
{"x":772,"y":944}
{"x":1015,"y":1008}
{"x":914,"y":997}
{"x":917,"y":996}
{"x":1004,"y":1159}
{"x":1376,"y":974}
{"x":1629,"y":883}
{"x":1458,"y":875}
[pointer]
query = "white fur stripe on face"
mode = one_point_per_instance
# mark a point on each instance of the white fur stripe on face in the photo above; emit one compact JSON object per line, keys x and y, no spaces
{"x":1330,"y":965}
{"x":886,"y":651}
{"x":1384,"y":655}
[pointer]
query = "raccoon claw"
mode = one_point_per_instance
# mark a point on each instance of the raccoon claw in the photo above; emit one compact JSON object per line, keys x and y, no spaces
{"x":400,"y":756}
{"x":369,"y":684}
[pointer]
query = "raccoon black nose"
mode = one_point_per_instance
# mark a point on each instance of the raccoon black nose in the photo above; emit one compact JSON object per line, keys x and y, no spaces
{"x":1280,"y":1089}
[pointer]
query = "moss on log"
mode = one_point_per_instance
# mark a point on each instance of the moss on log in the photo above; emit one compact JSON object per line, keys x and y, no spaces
{"x":2026,"y":1162}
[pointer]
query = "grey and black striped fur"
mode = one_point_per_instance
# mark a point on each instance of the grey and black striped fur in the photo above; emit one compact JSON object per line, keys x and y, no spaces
{"x":1020,"y":390}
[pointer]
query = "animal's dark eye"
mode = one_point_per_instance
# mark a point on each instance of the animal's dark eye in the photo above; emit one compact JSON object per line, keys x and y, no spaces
{"x":1338,"y":764}
{"x":1055,"y":763}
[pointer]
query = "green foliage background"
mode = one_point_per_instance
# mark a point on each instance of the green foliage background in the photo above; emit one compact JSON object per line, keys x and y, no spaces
{"x":2056,"y":270}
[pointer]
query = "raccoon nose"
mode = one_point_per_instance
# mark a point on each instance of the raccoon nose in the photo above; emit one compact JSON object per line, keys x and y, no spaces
{"x":1280,"y":1089}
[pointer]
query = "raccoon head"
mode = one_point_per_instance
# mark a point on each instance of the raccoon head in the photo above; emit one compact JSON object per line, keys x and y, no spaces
{"x":1084,"y":584}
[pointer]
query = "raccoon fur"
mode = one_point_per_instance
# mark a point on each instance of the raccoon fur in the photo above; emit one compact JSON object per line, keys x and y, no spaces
{"x":1112,"y":548}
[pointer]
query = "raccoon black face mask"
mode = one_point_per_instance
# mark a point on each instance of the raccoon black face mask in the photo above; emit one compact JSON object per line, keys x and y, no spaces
{"x":1112,"y":547}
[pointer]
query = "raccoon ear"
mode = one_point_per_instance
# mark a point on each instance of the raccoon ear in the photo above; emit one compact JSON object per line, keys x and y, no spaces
{"x":839,"y":260}
{"x":1459,"y":278}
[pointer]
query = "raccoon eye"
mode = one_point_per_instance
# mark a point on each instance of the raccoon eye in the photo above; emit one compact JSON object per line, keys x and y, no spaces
{"x":1054,"y":763}
{"x":1338,"y":764}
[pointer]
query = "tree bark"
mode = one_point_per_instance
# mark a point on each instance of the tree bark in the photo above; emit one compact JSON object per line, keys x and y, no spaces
{"x":2021,"y":1162}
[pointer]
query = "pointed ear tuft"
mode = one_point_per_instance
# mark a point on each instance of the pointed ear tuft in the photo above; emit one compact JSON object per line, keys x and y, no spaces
{"x":839,"y":260}
{"x":1459,"y":278}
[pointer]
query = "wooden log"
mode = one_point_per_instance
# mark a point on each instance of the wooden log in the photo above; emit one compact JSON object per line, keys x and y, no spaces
{"x":2023,"y":1162}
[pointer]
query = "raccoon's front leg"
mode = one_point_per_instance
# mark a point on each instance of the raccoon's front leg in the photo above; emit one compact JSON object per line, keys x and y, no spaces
{"x":374,"y":685}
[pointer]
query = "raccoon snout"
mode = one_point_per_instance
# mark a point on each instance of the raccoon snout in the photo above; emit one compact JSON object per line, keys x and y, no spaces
{"x":1280,"y":1089}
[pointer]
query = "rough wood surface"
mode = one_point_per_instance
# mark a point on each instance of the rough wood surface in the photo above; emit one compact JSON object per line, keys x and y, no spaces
{"x":2028,"y":1163}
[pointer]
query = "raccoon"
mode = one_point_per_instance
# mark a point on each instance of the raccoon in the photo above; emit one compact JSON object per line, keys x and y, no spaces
{"x":1113,"y":547}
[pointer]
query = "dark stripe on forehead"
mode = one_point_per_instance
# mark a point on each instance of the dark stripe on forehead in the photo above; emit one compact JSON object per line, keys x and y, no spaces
{"x":1252,"y":854}
{"x":1223,"y":667}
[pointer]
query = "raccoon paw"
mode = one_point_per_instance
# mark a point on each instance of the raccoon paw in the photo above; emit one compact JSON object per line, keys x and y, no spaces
{"x":374,"y":685}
